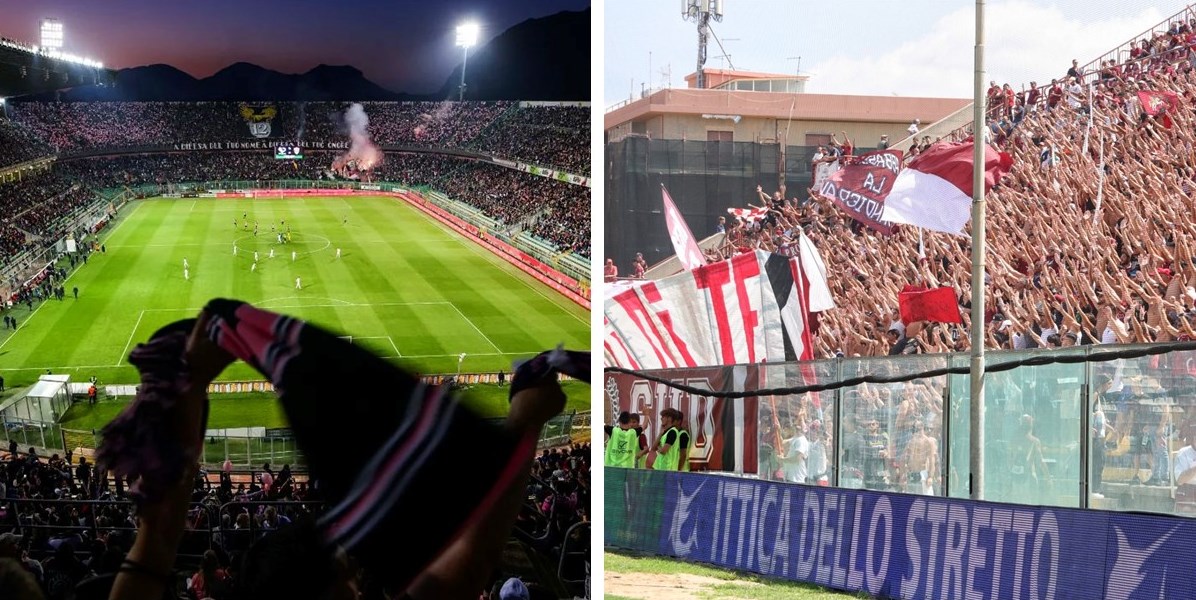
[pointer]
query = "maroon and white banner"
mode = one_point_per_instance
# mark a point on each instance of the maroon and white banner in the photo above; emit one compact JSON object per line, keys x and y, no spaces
{"x":723,"y":433}
{"x":860,"y":187}
{"x":748,"y":309}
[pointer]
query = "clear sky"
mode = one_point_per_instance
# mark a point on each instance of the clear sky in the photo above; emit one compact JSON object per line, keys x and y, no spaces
{"x":403,"y":45}
{"x":872,"y":47}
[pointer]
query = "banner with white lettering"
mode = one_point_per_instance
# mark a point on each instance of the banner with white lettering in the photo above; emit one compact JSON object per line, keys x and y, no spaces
{"x":860,"y":187}
{"x":902,"y":546}
{"x":747,"y":309}
{"x":722,"y":432}
{"x":254,"y":145}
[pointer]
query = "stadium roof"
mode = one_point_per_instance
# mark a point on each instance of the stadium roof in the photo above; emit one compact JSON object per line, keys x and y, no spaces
{"x":773,"y":105}
{"x":23,"y":72}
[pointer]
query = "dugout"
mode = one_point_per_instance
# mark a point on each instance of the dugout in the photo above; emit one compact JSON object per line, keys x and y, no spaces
{"x":44,"y":403}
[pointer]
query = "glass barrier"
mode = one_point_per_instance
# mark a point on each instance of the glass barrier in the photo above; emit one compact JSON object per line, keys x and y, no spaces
{"x":1092,"y":432}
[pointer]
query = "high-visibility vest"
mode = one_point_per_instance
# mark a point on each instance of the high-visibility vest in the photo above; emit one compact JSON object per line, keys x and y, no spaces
{"x":621,"y":448}
{"x":669,"y":461}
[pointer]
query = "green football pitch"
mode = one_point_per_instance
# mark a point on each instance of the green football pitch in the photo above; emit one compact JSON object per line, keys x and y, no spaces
{"x":403,"y":287}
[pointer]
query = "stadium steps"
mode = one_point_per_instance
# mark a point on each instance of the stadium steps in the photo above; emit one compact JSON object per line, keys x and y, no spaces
{"x":498,"y":121}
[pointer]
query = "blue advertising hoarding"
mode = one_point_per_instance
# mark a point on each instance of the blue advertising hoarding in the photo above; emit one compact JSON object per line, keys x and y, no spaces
{"x":901,"y":546}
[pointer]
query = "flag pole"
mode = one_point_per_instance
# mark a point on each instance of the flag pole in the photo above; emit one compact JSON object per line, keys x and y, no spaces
{"x":976,"y":378}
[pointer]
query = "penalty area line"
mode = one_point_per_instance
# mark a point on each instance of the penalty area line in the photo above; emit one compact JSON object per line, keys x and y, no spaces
{"x":68,"y":278}
{"x":121,"y":358}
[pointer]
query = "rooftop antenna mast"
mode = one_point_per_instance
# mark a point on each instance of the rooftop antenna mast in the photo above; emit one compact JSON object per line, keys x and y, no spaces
{"x":701,"y":12}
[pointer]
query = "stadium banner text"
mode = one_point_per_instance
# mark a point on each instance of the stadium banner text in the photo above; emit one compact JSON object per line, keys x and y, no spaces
{"x":899,"y":545}
{"x":256,"y":145}
{"x":542,"y":171}
{"x":723,"y":433}
{"x":860,"y":187}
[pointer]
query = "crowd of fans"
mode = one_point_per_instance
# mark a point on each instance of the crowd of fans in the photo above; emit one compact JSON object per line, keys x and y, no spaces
{"x":510,"y":197}
{"x":70,"y":521}
{"x":561,"y":211}
{"x":1088,"y":238}
{"x":64,"y":521}
{"x":549,"y":136}
{"x":558,"y":498}
{"x":18,"y":145}
{"x":566,"y":220}
{"x":556,"y":136}
{"x":34,"y":205}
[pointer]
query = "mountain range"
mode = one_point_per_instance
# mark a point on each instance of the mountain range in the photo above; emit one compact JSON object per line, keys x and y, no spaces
{"x":539,"y":59}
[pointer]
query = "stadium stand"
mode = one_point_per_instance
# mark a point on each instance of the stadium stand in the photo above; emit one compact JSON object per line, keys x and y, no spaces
{"x":1070,"y":261}
{"x":117,"y":144}
{"x":545,"y":135}
{"x":17,"y":144}
{"x":66,"y":513}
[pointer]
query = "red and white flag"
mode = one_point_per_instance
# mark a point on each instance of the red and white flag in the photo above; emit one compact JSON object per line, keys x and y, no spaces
{"x":935,"y":190}
{"x":749,"y":215}
{"x":684,"y":243}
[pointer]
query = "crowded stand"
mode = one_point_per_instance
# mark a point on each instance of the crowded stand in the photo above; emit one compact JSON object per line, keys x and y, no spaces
{"x":561,"y":211}
{"x":74,"y":126}
{"x":510,"y":196}
{"x":544,"y":135}
{"x":566,"y":223}
{"x":553,"y":136}
{"x":1071,"y":261}
{"x":18,"y":145}
{"x":438,"y":124}
{"x":174,"y":168}
{"x":68,"y":525}
{"x":63,"y":509}
{"x":45,"y":218}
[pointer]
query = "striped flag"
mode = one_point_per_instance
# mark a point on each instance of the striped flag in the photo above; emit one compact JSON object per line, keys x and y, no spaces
{"x":935,"y":191}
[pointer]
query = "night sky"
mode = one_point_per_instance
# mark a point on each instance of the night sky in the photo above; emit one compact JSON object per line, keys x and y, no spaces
{"x":402,"y":45}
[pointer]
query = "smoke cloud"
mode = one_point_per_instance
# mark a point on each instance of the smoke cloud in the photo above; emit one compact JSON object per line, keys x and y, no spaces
{"x":362,"y":150}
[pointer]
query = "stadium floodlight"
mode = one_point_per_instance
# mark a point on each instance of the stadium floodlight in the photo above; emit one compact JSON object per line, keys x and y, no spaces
{"x":52,"y":35}
{"x":467,"y":37}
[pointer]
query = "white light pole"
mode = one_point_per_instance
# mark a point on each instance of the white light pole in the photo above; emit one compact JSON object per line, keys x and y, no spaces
{"x":976,"y":366}
{"x":467,"y":37}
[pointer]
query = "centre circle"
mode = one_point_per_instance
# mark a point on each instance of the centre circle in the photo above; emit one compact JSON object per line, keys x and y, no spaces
{"x":296,"y":238}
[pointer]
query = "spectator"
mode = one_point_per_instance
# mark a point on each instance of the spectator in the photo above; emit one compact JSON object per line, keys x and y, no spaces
{"x":211,"y":581}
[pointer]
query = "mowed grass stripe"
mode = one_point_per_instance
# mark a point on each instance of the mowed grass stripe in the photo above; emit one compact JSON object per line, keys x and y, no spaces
{"x":391,"y":254}
{"x":102,"y":284}
{"x":560,"y":306}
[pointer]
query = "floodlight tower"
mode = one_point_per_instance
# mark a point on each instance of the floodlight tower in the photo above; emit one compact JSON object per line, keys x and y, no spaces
{"x":467,"y":37}
{"x":700,"y":12}
{"x":52,"y":36}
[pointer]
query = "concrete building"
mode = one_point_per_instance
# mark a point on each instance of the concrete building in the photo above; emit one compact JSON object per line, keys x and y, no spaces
{"x":712,"y":147}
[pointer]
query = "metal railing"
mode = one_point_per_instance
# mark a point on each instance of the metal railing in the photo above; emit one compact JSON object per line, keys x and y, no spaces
{"x":1126,"y":47}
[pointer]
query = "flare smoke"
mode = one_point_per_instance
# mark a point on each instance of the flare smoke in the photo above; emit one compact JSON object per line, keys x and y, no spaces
{"x":362,"y":150}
